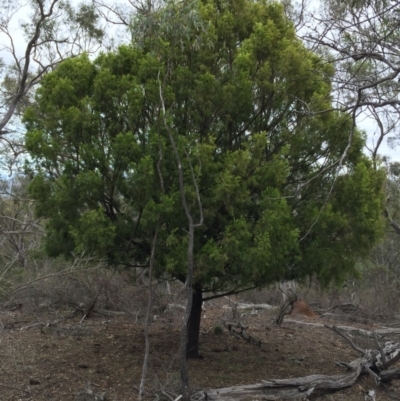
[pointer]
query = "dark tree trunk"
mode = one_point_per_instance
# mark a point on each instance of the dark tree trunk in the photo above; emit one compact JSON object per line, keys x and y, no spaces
{"x":192,"y":347}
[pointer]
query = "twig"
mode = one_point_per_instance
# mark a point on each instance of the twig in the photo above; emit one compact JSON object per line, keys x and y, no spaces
{"x":165,"y":393}
{"x":14,"y":388}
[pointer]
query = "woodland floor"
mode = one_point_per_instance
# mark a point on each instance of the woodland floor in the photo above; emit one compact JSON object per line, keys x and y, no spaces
{"x":53,"y":363}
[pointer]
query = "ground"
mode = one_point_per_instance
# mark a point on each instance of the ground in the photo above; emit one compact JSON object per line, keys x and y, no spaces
{"x":53,"y":362}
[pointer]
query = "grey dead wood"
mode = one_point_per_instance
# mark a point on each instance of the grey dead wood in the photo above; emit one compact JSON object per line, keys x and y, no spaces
{"x":374,"y":362}
{"x":287,"y":306}
{"x":176,"y":306}
{"x":283,"y":389}
{"x":368,"y":333}
{"x":247,"y":306}
{"x":109,"y":313}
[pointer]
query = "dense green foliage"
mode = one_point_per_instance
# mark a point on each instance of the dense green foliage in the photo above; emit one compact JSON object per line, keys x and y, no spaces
{"x":242,"y":96}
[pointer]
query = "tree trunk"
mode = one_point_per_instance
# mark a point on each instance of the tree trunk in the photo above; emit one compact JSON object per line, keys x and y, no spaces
{"x":192,"y":347}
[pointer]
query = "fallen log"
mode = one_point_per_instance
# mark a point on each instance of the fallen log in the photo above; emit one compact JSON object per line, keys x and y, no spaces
{"x":282,"y":389}
{"x":176,"y":306}
{"x":295,"y":388}
{"x":374,"y":362}
{"x":108,"y":312}
{"x":244,"y":306}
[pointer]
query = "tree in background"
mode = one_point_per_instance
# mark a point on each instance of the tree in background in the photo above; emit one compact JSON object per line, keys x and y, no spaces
{"x":35,"y":37}
{"x":361,"y":41}
{"x":21,"y":232}
{"x":283,"y":192}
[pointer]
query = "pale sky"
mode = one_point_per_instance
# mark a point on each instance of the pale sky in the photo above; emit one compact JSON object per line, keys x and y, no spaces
{"x":370,"y":127}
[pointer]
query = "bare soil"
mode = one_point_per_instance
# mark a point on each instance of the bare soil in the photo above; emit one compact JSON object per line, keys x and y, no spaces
{"x":53,"y":362}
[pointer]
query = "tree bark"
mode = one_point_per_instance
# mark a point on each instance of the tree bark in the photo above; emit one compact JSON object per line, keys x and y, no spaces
{"x":192,"y":347}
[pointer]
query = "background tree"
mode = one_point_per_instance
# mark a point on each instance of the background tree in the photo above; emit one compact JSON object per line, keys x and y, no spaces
{"x":283,"y":193}
{"x":20,"y":231}
{"x":35,"y":37}
{"x":361,"y":39}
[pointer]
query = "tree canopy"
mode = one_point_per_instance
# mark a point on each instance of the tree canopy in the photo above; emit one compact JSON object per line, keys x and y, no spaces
{"x":246,"y":103}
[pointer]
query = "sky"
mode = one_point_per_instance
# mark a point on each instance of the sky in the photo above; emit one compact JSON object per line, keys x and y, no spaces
{"x":369,"y":126}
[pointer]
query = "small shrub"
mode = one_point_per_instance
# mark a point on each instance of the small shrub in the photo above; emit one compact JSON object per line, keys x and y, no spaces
{"x":218,"y":330}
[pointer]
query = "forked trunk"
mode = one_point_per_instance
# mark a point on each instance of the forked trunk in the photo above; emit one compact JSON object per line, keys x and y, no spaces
{"x":192,"y":347}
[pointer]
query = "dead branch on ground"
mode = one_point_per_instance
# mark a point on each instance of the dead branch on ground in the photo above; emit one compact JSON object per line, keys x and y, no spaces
{"x":374,"y":362}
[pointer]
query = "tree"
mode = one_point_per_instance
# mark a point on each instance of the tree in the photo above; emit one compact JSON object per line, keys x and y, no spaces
{"x":243,"y":100}
{"x":361,"y":39}
{"x":35,"y":37}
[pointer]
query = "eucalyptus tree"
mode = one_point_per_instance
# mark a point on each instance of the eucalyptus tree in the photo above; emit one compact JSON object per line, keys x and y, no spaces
{"x":35,"y":37}
{"x":282,"y":194}
{"x":362,"y":40}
